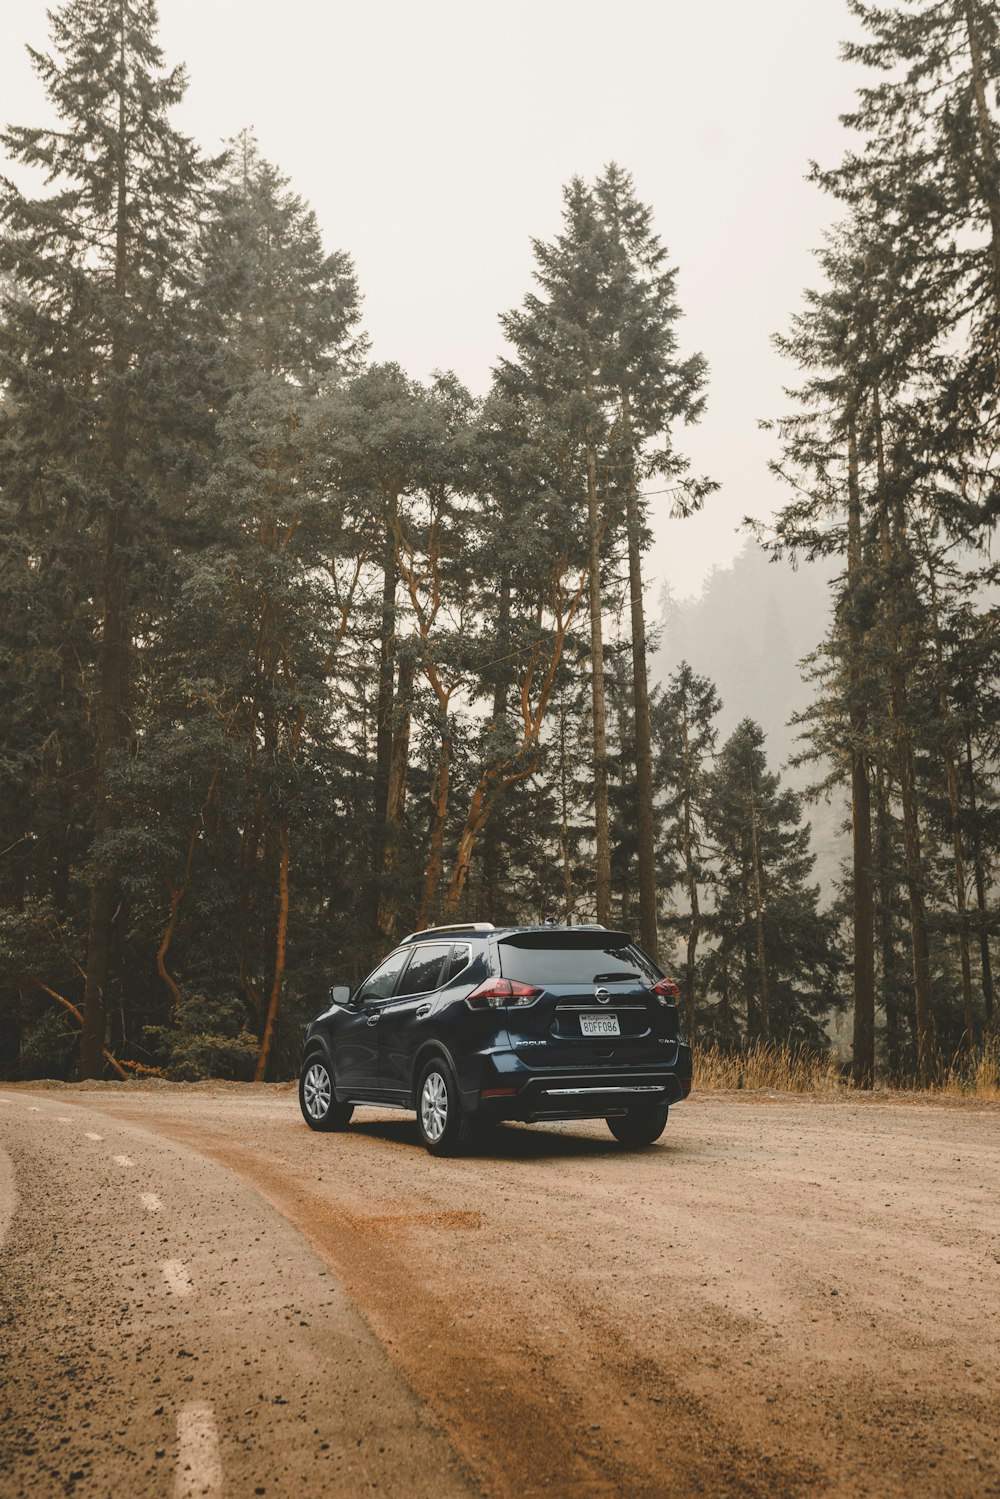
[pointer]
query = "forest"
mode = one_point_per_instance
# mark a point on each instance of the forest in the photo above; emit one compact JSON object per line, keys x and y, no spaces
{"x":299,"y":654}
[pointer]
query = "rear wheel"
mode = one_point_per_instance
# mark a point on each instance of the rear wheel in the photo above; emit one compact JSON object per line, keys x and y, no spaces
{"x":444,"y":1126}
{"x":317,"y":1099}
{"x":643,"y":1124}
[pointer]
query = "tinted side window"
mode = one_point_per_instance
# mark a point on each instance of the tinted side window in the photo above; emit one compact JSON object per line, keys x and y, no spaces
{"x":382,"y":982}
{"x":424,"y":972}
{"x":459,"y":960}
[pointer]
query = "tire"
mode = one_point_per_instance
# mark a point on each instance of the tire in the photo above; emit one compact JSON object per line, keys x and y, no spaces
{"x":444,"y":1126}
{"x":317,"y":1099}
{"x":643,"y":1124}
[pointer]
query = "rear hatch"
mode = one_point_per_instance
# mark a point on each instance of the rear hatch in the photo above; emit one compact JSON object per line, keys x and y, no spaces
{"x":596,"y":1006}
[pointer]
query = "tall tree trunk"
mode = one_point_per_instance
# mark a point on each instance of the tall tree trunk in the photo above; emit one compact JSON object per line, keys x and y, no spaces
{"x":435,"y":843}
{"x":114,"y":666}
{"x":691,"y":878}
{"x":757,"y":893}
{"x":386,"y":684}
{"x":491,"y":841}
{"x":886,"y":935}
{"x":980,"y":878}
{"x":990,"y":178}
{"x":694,"y":921}
{"x":396,"y":806}
{"x":602,"y":837}
{"x":564,"y":804}
{"x":961,"y":905}
{"x":947,"y":729}
{"x":249,"y":851}
{"x":280,"y":948}
{"x":640,"y":693}
{"x":893,"y":532}
{"x":861,"y":815}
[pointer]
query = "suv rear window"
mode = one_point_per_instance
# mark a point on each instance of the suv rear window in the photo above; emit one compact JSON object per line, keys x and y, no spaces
{"x":573,"y":964}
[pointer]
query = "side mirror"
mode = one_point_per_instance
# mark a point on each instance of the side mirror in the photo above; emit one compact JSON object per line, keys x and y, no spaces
{"x":340,"y":994}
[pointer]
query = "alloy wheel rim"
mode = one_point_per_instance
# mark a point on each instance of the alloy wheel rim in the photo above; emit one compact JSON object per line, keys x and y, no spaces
{"x":434,"y":1106}
{"x":316,"y":1091}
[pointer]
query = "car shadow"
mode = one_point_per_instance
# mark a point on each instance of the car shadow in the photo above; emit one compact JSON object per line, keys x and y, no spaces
{"x":508,"y":1142}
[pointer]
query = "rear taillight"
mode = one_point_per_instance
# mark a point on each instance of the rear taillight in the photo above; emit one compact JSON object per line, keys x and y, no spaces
{"x":498,"y":994}
{"x":667,"y":992}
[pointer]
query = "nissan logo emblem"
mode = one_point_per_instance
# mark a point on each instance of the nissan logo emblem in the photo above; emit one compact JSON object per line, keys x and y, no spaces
{"x":602,"y":996}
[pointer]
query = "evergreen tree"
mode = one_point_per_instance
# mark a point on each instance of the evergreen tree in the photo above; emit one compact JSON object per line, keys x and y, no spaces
{"x":95,"y":357}
{"x":650,"y":388}
{"x":931,"y":142}
{"x":266,"y":540}
{"x":775,"y":962}
{"x":278,"y":302}
{"x":598,"y":347}
{"x":529,"y":560}
{"x":902,"y":349}
{"x":561,"y":339}
{"x":685,"y":734}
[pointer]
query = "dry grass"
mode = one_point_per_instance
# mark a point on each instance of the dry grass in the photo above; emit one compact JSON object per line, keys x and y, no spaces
{"x":767,"y":1065}
{"x":975,"y":1074}
{"x":780,"y":1068}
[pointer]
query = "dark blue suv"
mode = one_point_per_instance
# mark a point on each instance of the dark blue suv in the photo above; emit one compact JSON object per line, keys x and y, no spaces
{"x":476,"y":1024}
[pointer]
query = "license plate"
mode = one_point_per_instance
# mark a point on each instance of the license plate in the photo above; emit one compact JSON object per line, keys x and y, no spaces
{"x":599,"y":1025}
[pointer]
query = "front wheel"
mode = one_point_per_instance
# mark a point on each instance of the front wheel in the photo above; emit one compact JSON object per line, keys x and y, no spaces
{"x":641,"y":1125}
{"x":317,"y":1099}
{"x":444,"y":1126}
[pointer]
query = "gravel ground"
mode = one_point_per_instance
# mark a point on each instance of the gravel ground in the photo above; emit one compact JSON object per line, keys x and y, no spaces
{"x":784,"y":1295}
{"x":163,"y":1332}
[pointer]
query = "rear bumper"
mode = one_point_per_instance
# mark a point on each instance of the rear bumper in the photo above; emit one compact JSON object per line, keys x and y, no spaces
{"x":588,"y":1095}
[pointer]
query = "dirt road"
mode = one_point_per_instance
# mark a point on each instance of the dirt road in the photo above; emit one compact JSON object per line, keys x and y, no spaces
{"x":783,"y":1296}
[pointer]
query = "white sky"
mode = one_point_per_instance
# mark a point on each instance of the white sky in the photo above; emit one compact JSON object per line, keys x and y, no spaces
{"x":433,"y":137}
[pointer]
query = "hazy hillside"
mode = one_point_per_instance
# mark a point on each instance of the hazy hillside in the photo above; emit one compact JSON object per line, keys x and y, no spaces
{"x":749,"y":629}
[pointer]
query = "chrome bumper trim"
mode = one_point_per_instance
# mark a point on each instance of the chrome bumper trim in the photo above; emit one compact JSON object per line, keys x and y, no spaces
{"x":636,"y":1088}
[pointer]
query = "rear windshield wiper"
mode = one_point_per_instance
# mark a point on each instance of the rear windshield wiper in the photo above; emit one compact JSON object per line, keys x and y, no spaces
{"x":614,"y":978}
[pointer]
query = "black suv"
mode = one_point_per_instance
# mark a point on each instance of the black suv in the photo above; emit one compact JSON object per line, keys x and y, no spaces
{"x":476,"y":1024}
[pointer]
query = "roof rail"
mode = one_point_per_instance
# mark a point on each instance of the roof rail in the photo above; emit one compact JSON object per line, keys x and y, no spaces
{"x":460,"y":926}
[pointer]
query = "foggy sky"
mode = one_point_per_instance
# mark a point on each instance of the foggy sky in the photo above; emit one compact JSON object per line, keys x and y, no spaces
{"x":433,"y":137}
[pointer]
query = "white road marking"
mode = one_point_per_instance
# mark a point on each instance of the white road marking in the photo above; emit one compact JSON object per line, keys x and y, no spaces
{"x":123,"y":1160}
{"x":177,"y":1277}
{"x":199,"y":1467}
{"x":151,"y":1202}
{"x":91,"y":1136}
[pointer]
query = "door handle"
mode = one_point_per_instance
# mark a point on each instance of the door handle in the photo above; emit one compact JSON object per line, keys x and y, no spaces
{"x":372,"y":1019}
{"x":424,"y":1010}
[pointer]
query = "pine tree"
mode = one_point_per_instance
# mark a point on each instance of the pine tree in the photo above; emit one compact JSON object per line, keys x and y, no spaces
{"x":561,"y":339}
{"x":930,"y":140}
{"x":282,"y":316}
{"x":651,"y":388}
{"x":775,"y":961}
{"x":598,"y":347}
{"x":277,"y":301}
{"x":529,"y":558}
{"x":91,"y":358}
{"x":685,"y":734}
